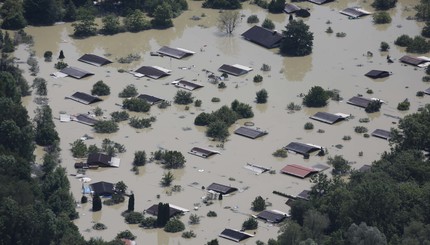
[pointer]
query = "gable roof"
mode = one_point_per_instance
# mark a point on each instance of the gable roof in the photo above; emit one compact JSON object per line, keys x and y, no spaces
{"x":250,"y":132}
{"x":326,"y":117}
{"x":257,"y":169}
{"x":235,"y":235}
{"x":186,"y":84}
{"x":291,"y":8}
{"x":272,"y":216}
{"x":150,"y":99}
{"x":359,"y":101}
{"x":76,"y":72}
{"x":177,"y":53}
{"x":223,"y":189}
{"x":304,"y":195}
{"x":102,"y":188}
{"x":103,"y":160}
{"x":365,"y":168}
{"x":173,"y":211}
{"x":85,"y":119}
{"x":84,"y":98}
{"x":201,"y":152}
{"x":354,"y":12}
{"x":93,"y":59}
{"x":377,"y":74}
{"x":320,"y":1}
{"x":154,"y":72}
{"x":263,"y":37}
{"x":381,"y":133}
{"x":416,"y":61}
{"x":235,"y":70}
{"x":298,"y":170}
{"x":301,"y":148}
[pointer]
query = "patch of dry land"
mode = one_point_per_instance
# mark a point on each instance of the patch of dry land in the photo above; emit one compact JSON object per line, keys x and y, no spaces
{"x":335,"y":63}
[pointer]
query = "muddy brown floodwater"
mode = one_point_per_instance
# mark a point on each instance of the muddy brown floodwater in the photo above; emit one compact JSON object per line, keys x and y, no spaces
{"x":336,"y":63}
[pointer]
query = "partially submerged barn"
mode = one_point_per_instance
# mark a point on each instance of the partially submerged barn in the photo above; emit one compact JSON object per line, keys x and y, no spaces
{"x":359,"y":101}
{"x":84,"y":98}
{"x":222,"y":189}
{"x":186,"y":84}
{"x":235,"y":235}
{"x":251,"y":133}
{"x":93,"y":59}
{"x":75,"y":72}
{"x":85,"y":119}
{"x":152,"y":100}
{"x":381,"y":133}
{"x":154,"y":72}
{"x":291,"y":8}
{"x":202,"y":152}
{"x":298,"y":170}
{"x":177,"y":53}
{"x":173,"y":210}
{"x":235,"y":70}
{"x":102,"y":188}
{"x":415,"y":61}
{"x":377,"y":74}
{"x":103,"y":160}
{"x":302,"y":148}
{"x":354,"y":12}
{"x":263,"y":37}
{"x":272,"y":216}
{"x":329,"y":118}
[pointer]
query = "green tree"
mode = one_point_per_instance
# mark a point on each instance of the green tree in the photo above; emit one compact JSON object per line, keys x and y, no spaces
{"x":97,"y":203}
{"x":418,"y":45}
{"x":12,"y":13}
{"x":426,"y":30}
{"x":290,"y":233}
{"x":268,"y":24}
{"x":252,"y":19}
{"x":8,"y":46}
{"x":217,"y":130}
{"x":228,"y":21}
{"x":106,"y":127}
{"x":167,"y":179}
{"x":79,"y":148}
{"x":242,"y":110}
{"x":136,"y":21}
{"x":41,"y":12}
{"x":250,"y":224}
{"x":85,"y":27}
{"x":139,"y":158}
{"x":173,"y":159}
{"x":314,"y":224}
{"x":119,"y":116}
{"x":316,"y":97}
{"x":381,"y":17}
{"x":384,"y":46}
{"x":259,"y":204}
{"x":384,"y":4}
{"x":363,"y":234}
{"x":373,"y":106}
{"x":100,"y":88}
{"x":70,"y":12}
{"x":298,"y":39}
{"x":131,"y":203}
{"x":126,"y":235}
{"x":120,"y":187}
{"x":222,"y":4}
{"x":133,"y":217}
{"x":174,"y":225}
{"x":183,"y":97}
{"x":203,"y":119}
{"x":162,"y":16}
{"x":136,"y":104}
{"x":41,"y":86}
{"x":276,"y":6}
{"x":261,"y":96}
{"x":129,"y":91}
{"x":194,"y":219}
{"x":45,"y":127}
{"x":213,"y":242}
{"x":403,"y":40}
{"x":111,"y":25}
{"x":163,"y":214}
{"x":340,"y":165}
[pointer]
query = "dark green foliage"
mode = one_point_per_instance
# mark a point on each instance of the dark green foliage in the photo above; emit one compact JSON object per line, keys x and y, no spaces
{"x":276,"y":6}
{"x":309,"y":126}
{"x":84,"y":199}
{"x":217,"y":130}
{"x":268,"y":24}
{"x":222,"y":85}
{"x":111,"y":25}
{"x":211,"y":214}
{"x":136,"y":104}
{"x":41,"y":86}
{"x":384,"y":4}
{"x":363,"y":234}
{"x":261,"y":96}
{"x":45,"y":127}
{"x":403,"y":40}
{"x":404,"y":105}
{"x":203,"y":119}
{"x":86,"y":27}
{"x":250,"y":224}
{"x":100,"y":88}
{"x":381,"y":18}
{"x":298,"y":210}
{"x":360,"y":129}
{"x":136,"y":122}
{"x":373,"y":106}
{"x":258,"y":78}
{"x":316,"y":97}
{"x":162,"y":16}
{"x":79,"y":149}
{"x":173,"y":159}
{"x":48,"y":56}
{"x":119,"y":116}
{"x":384,"y":46}
{"x":298,"y":39}
{"x":97,"y":203}
{"x":12,"y":13}
{"x":174,"y":225}
{"x":339,"y":164}
{"x":259,"y":204}
{"x":106,"y":127}
{"x":133,"y":217}
{"x":188,"y":234}
{"x":197,"y":103}
{"x":129,"y":91}
{"x":41,"y":12}
{"x":213,"y":242}
{"x":242,"y":110}
{"x":8,"y":46}
{"x":222,"y":4}
{"x":149,"y":222}
{"x":70,"y":13}
{"x":163,"y":214}
{"x":418,"y":45}
{"x":126,"y":235}
{"x":139,"y":158}
{"x":252,"y":19}
{"x":426,"y":30}
{"x":131,"y":204}
{"x":136,"y":21}
{"x":183,"y":97}
{"x":60,"y":65}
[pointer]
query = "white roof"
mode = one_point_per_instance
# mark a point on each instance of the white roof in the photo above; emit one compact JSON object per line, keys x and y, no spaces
{"x":246,"y":68}
{"x":114,"y":162}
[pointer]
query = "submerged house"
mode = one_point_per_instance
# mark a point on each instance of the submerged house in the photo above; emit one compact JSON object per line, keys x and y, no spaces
{"x":154,"y":72}
{"x":298,"y":170}
{"x":272,"y":216}
{"x":381,"y":133}
{"x":329,"y":118}
{"x":173,"y":210}
{"x":102,"y":188}
{"x":354,"y":12}
{"x":222,"y":189}
{"x":186,"y":85}
{"x":177,"y":53}
{"x":359,"y":101}
{"x":250,"y":132}
{"x":263,"y":37}
{"x":103,"y":160}
{"x":319,"y":2}
{"x":85,"y":119}
{"x":84,"y":98}
{"x":93,"y":59}
{"x":75,"y":72}
{"x":202,"y":152}
{"x":291,"y":8}
{"x":416,"y":61}
{"x":152,"y":100}
{"x":235,"y":70}
{"x":302,"y":148}
{"x":377,"y":74}
{"x":235,"y":235}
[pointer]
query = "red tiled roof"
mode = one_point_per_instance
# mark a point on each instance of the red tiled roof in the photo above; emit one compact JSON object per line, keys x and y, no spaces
{"x":298,"y":170}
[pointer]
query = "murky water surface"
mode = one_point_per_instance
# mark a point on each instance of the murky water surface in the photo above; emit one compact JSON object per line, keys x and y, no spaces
{"x":336,"y":63}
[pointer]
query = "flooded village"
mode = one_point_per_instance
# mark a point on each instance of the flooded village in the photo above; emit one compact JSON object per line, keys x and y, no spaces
{"x":243,"y":166}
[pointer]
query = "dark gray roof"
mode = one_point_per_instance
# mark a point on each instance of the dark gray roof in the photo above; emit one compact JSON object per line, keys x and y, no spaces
{"x":327,"y":117}
{"x":232,"y":70}
{"x":301,"y":148}
{"x":234,"y":235}
{"x":86,"y":119}
{"x":187,"y":85}
{"x":427,"y":91}
{"x":290,"y":8}
{"x":271,"y":216}
{"x":250,"y":132}
{"x":381,"y":133}
{"x":99,"y":158}
{"x":365,"y":168}
{"x":223,"y":189}
{"x":152,"y":72}
{"x":359,"y":101}
{"x":412,"y":60}
{"x":176,"y":53}
{"x":377,"y":74}
{"x":320,"y":1}
{"x":102,"y":188}
{"x":150,"y":99}
{"x":263,"y":37}
{"x":76,"y":72}
{"x":201,"y":152}
{"x":304,"y":195}
{"x":354,"y":12}
{"x":84,"y":98}
{"x":153,"y":210}
{"x":93,"y":59}
{"x":320,"y":167}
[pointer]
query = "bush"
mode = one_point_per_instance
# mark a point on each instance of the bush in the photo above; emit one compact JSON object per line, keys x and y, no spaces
{"x":106,"y":127}
{"x":99,"y":226}
{"x":119,"y":116}
{"x":426,"y":79}
{"x":261,"y":96}
{"x":222,"y":85}
{"x":340,"y":34}
{"x":194,"y":219}
{"x":373,"y":106}
{"x":242,"y":110}
{"x":211,"y":214}
{"x":250,"y":224}
{"x":133,"y":217}
{"x":426,"y":30}
{"x":420,"y":94}
{"x":183,"y":97}
{"x":360,"y":129}
{"x":340,"y":165}
{"x":265,"y":67}
{"x":84,"y":199}
{"x":384,"y":46}
{"x":381,"y":18}
{"x":139,"y":158}
{"x":139,"y":123}
{"x":174,"y":225}
{"x":125,"y":235}
{"x":48,"y":56}
{"x":252,"y":19}
{"x":258,"y":78}
{"x":136,"y":104}
{"x":404,"y":105}
{"x":203,"y":119}
{"x":384,"y":4}
{"x":309,"y":126}
{"x":197,"y":103}
{"x":268,"y":24}
{"x":259,"y":204}
{"x":100,"y":88}
{"x":148,"y":222}
{"x":329,"y":30}
{"x":188,"y":234}
{"x":60,"y":65}
{"x":418,"y":45}
{"x":218,"y":130}
{"x":215,"y":99}
{"x":316,"y":97}
{"x":129,"y":91}
{"x":280,"y":153}
{"x":403,"y":41}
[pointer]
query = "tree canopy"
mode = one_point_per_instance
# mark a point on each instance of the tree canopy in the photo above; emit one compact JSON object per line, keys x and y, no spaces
{"x":298,"y":40}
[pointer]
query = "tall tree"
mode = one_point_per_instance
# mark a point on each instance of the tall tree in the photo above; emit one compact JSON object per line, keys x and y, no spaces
{"x":228,"y":21}
{"x":42,"y":12}
{"x":12,"y":13}
{"x":97,"y":203}
{"x":131,"y":203}
{"x":298,"y":40}
{"x":162,"y":16}
{"x":45,"y":127}
{"x":163,"y":214}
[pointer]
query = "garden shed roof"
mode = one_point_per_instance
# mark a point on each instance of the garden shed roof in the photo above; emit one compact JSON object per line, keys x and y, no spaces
{"x":177,"y":53}
{"x":272,"y":216}
{"x":377,"y":74}
{"x":186,"y":84}
{"x":235,"y":235}
{"x":359,"y":101}
{"x":354,"y":12}
{"x":76,"y":72}
{"x":150,"y":99}
{"x":250,"y":132}
{"x":291,"y":8}
{"x":202,"y":152}
{"x":95,"y":60}
{"x":263,"y":37}
{"x":298,"y":170}
{"x":381,"y":133}
{"x":235,"y":70}
{"x":302,"y":148}
{"x":326,"y":117}
{"x":84,"y":98}
{"x":154,"y":72}
{"x":223,"y":189}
